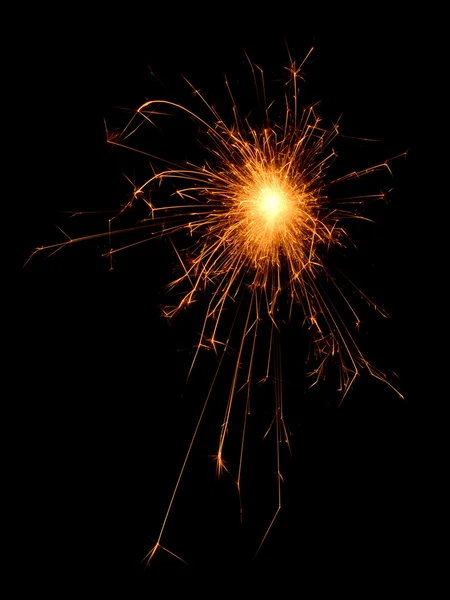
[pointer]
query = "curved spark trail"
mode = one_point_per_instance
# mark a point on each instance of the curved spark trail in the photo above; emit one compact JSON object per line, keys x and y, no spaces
{"x":262,"y":221}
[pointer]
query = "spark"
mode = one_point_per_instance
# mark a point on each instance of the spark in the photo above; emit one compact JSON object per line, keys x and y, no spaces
{"x":262,"y":221}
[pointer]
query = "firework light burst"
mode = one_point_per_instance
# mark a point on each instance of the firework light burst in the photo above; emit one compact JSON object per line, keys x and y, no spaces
{"x":261,"y":220}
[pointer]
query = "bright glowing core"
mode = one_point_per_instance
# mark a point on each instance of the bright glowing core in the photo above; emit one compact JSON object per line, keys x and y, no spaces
{"x":272,"y":203}
{"x":268,"y":217}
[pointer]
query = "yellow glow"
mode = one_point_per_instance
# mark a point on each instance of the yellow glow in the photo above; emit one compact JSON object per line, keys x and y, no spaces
{"x":272,"y":203}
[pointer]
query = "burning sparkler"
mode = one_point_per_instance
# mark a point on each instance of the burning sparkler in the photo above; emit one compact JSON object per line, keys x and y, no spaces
{"x":262,"y":222}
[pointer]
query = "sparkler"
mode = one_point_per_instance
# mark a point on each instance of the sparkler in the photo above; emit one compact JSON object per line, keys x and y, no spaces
{"x":262,"y":221}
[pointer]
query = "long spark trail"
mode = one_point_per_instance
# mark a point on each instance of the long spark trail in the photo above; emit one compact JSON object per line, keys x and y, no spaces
{"x":262,"y":222}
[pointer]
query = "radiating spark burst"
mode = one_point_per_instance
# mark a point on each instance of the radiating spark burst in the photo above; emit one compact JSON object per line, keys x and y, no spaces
{"x":262,"y":223}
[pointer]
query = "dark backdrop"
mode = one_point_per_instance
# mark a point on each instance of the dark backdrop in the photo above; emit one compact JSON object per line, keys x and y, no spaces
{"x":103,"y":414}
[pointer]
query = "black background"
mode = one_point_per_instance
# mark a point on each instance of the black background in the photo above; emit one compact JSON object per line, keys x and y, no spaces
{"x":104,"y":415}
